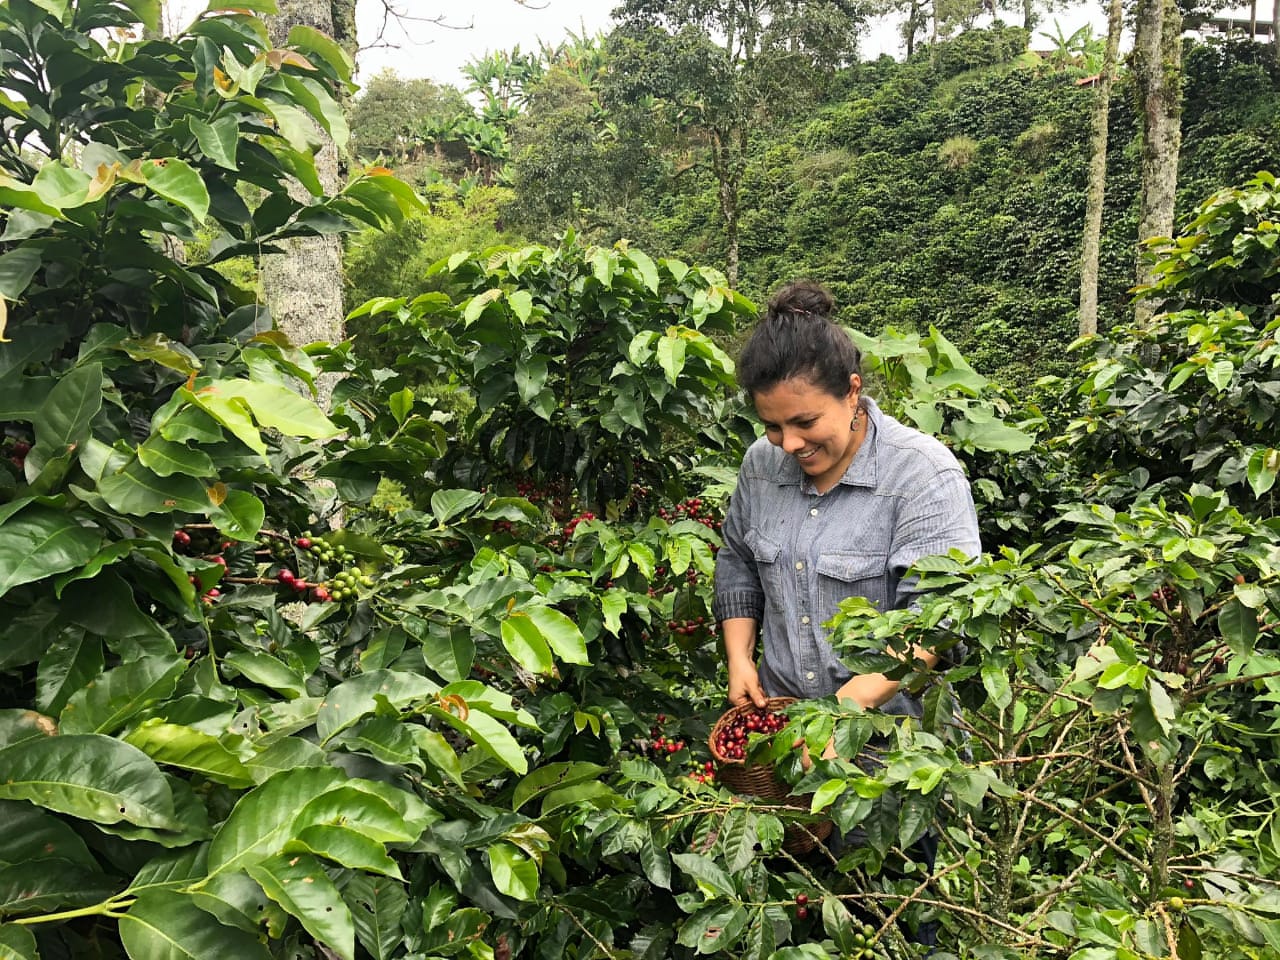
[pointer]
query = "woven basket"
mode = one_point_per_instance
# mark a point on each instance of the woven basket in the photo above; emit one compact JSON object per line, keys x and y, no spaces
{"x":761,"y":780}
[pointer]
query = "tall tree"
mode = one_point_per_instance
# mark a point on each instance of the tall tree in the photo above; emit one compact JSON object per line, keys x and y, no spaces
{"x":1157,"y":70}
{"x":719,"y":69}
{"x":1098,"y":174}
{"x":302,"y":284}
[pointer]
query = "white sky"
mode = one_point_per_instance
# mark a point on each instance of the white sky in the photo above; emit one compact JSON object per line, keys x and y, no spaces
{"x":476,"y":27}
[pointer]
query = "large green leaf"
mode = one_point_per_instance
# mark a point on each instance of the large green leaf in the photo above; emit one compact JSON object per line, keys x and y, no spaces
{"x":261,"y":820}
{"x":175,"y":745}
{"x":299,"y":884}
{"x":448,"y":504}
{"x":372,"y":815}
{"x":349,"y":701}
{"x":163,"y":925}
{"x":552,"y":776}
{"x":17,"y":267}
{"x":109,"y":700}
{"x":136,"y":491}
{"x":46,"y":884}
{"x":524,"y":641}
{"x":31,"y":833}
{"x":377,"y":905}
{"x":89,"y":776}
{"x":165,"y":458}
{"x":39,"y":542}
{"x":348,"y":847}
{"x":179,"y":183}
{"x":513,"y":872}
{"x":240,"y":515}
{"x":17,"y":943}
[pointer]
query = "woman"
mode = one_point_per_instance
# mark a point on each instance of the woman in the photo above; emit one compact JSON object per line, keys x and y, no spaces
{"x":837,"y":500}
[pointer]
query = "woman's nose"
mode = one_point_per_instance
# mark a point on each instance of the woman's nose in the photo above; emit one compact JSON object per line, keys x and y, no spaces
{"x":792,"y":442}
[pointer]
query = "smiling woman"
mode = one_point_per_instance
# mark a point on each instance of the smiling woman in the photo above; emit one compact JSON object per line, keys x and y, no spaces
{"x":837,"y":500}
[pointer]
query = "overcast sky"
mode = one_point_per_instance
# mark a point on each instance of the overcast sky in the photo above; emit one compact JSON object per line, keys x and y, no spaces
{"x":471,"y":28}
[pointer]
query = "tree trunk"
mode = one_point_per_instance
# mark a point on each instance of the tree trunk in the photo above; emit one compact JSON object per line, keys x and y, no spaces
{"x":1157,"y":67}
{"x":1028,"y":15}
{"x":303,"y":285}
{"x":1097,"y":188}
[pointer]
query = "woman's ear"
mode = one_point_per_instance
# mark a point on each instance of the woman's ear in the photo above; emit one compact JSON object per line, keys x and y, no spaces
{"x":855,"y":386}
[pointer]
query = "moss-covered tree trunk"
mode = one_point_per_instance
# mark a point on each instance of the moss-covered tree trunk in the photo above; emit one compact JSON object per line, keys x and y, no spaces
{"x":1097,"y":189}
{"x":1157,"y":68}
{"x":303,"y":285}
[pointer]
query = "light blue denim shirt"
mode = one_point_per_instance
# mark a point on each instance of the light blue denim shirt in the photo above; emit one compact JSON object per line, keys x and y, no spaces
{"x":791,"y":554}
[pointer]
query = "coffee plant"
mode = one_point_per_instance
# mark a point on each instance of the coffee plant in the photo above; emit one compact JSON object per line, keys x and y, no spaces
{"x":255,"y":706}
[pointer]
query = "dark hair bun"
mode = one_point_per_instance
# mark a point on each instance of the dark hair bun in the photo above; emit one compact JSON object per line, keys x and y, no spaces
{"x":801,"y":297}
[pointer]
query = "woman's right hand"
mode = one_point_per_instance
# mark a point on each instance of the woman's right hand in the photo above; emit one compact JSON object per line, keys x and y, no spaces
{"x":744,"y":686}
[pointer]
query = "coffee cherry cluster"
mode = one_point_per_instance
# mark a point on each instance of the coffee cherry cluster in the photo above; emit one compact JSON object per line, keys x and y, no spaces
{"x":18,"y":450}
{"x":695,"y":508}
{"x":731,"y":742}
{"x":572,"y":525}
{"x":802,"y":906}
{"x":864,"y":943}
{"x":691,"y":628}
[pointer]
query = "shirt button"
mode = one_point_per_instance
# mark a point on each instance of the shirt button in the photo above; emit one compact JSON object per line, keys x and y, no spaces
{"x":809,"y":675}
{"x":799,"y":564}
{"x":813,"y":512}
{"x":804,"y":619}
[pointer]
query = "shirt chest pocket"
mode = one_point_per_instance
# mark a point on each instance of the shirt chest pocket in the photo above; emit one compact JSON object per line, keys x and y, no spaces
{"x":768,"y":557}
{"x":843,"y":575}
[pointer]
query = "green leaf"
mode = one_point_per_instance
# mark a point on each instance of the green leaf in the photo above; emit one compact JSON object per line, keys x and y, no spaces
{"x":671,"y":349}
{"x":449,"y":651}
{"x":448,"y":504}
{"x":708,"y":874}
{"x":645,"y":265}
{"x":1239,"y":627}
{"x":349,"y":701}
{"x":561,"y":633}
{"x":218,"y":140}
{"x":521,"y":304}
{"x":89,"y":776}
{"x":826,"y":795}
{"x":136,"y":491}
{"x":524,"y":641}
{"x":531,"y":377}
{"x":17,"y":267}
{"x":175,"y":745}
{"x":996,"y":682}
{"x":377,"y":905}
{"x":401,"y":404}
{"x":488,"y":733}
{"x":177,"y":182}
{"x":65,"y":419}
{"x":276,"y":407}
{"x":299,"y":884}
{"x":240,"y":516}
{"x":264,"y":669}
{"x":513,"y":872}
{"x":118,"y":694}
{"x":165,"y":458}
{"x":45,"y":884}
{"x":17,"y":943}
{"x":552,"y":776}
{"x":308,"y":39}
{"x":350,"y":807}
{"x":31,"y":833}
{"x":164,"y":925}
{"x":260,"y":822}
{"x":1261,"y":470}
{"x":39,"y":542}
{"x":345,"y":846}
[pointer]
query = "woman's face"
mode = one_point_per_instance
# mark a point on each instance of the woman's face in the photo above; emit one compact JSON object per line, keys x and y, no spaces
{"x":813,"y":426}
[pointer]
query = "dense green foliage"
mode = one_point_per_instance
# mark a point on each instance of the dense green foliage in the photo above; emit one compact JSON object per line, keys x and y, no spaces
{"x":471,"y":722}
{"x":946,"y":190}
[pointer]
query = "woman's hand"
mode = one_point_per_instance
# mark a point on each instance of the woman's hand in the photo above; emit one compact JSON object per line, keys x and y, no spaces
{"x":744,"y":685}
